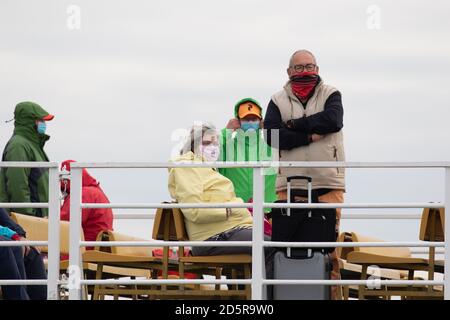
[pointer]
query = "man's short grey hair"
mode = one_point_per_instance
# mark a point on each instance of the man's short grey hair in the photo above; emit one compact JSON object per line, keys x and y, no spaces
{"x":291,"y":60}
{"x":195,"y":137}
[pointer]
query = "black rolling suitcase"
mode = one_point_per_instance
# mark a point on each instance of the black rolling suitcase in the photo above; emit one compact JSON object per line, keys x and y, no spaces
{"x":303,"y":225}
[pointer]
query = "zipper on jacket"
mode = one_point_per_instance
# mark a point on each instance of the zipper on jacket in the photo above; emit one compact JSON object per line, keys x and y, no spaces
{"x":336,"y":158}
{"x":279,"y":159}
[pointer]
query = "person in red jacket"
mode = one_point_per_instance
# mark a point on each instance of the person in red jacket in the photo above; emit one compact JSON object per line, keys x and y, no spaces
{"x":93,"y":220}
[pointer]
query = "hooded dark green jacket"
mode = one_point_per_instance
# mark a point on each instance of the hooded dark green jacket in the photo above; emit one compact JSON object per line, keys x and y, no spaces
{"x":246,"y":146}
{"x":26,"y":144}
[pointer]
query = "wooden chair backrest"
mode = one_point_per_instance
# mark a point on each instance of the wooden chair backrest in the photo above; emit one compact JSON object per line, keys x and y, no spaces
{"x":169,"y":225}
{"x":125,"y":251}
{"x":382,"y":251}
{"x":37,"y":230}
{"x":432,"y":225}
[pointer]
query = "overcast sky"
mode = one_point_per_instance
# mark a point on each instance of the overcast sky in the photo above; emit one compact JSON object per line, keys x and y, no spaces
{"x":135,"y":71}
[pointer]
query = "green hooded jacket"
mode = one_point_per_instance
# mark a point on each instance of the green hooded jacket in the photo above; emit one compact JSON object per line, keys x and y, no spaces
{"x":247,"y":146}
{"x":26,"y":144}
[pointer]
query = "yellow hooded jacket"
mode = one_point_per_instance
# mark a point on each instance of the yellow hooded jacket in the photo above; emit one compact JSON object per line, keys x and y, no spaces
{"x":203,"y":185}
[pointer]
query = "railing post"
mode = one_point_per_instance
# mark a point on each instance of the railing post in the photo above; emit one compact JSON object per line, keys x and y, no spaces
{"x":447,"y":236}
{"x":53,"y":235}
{"x":75,"y":268}
{"x":258,"y":261}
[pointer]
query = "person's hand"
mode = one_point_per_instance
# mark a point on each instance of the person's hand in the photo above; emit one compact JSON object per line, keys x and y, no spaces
{"x":316,"y":137}
{"x":233,"y":124}
{"x":37,"y":250}
{"x":290,"y":124}
{"x":26,"y":249}
{"x":251,"y":208}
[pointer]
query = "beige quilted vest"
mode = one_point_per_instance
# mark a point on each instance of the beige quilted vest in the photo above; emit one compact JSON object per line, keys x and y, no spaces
{"x":329,"y":148}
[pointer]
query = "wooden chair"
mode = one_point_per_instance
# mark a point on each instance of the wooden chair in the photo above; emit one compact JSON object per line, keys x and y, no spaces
{"x":37,"y":230}
{"x":169,"y":226}
{"x":352,"y":271}
{"x":132,"y":258}
{"x":431,"y":229}
{"x":117,"y":262}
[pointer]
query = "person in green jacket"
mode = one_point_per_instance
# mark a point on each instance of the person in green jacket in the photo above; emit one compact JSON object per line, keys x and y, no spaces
{"x":242,"y":140}
{"x":26,"y":144}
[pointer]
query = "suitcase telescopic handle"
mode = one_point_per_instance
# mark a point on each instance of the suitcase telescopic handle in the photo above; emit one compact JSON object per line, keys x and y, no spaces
{"x":309,"y":179}
{"x":289,"y":179}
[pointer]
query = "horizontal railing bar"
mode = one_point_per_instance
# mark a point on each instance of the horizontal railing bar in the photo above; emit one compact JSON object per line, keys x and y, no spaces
{"x":381,"y":216}
{"x":168,"y":165}
{"x":249,"y":244}
{"x":387,"y":205}
{"x":362,"y":216}
{"x":426,"y":251}
{"x":363,"y":165}
{"x":352,"y":244}
{"x":260,"y":164}
{"x":23,"y":243}
{"x":164,"y":205}
{"x":28,"y":282}
{"x":165,"y":243}
{"x":134,"y":215}
{"x":7,"y":205}
{"x":373,"y":282}
{"x":28,"y":164}
{"x":166,"y":281}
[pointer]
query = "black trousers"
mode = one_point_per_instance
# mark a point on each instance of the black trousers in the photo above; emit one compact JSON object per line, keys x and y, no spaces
{"x":14,"y":266}
{"x":238,"y":234}
{"x":35,"y":269}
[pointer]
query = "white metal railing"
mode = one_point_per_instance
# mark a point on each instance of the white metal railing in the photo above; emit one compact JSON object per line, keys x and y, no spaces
{"x":277,"y":244}
{"x":155,"y":205}
{"x":347,"y":216}
{"x":258,"y":280}
{"x":52,"y":243}
{"x":258,"y":243}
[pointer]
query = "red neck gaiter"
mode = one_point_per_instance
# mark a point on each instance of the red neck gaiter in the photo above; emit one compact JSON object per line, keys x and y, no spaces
{"x":303,"y":84}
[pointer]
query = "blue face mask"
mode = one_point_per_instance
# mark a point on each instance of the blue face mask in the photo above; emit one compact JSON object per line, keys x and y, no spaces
{"x":249,"y":125}
{"x":41,"y":127}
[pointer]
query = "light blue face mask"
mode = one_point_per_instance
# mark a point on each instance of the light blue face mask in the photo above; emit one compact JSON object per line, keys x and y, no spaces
{"x":41,"y":127}
{"x":249,"y":125}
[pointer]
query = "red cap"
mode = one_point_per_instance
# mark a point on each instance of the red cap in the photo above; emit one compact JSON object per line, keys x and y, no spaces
{"x":48,"y":117}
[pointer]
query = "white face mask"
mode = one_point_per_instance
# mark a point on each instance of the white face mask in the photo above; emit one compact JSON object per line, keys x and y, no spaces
{"x":210,"y":152}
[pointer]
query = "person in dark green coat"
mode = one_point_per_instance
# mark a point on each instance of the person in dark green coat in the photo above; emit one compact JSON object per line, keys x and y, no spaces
{"x":26,"y":144}
{"x":242,"y":140}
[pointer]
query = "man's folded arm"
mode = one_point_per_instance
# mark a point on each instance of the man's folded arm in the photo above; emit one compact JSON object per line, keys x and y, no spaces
{"x":287,"y":138}
{"x":330,"y":120}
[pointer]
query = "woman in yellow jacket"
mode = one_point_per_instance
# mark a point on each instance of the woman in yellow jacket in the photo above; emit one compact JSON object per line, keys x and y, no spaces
{"x":202,"y":185}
